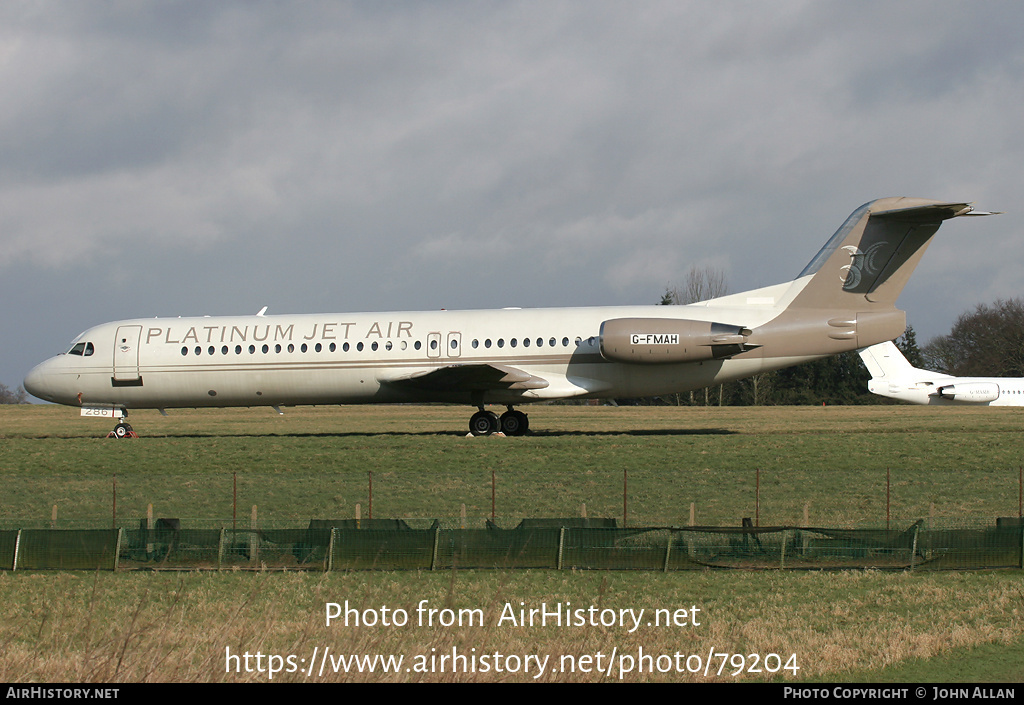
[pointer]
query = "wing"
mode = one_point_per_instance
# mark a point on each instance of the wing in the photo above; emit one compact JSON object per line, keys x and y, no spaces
{"x":469,"y":378}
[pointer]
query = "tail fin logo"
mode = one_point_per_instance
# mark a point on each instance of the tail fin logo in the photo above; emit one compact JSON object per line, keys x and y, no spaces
{"x":861,"y":263}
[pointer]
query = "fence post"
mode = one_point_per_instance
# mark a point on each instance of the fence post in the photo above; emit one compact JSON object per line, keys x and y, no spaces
{"x":668,"y":552}
{"x":330,"y":551}
{"x":17,"y":546}
{"x":785,"y":540}
{"x":117,"y":548}
{"x":913,"y":548}
{"x":254,"y":542}
{"x":437,"y":531}
{"x":149,"y":525}
{"x":220,"y":549}
{"x":561,"y":544}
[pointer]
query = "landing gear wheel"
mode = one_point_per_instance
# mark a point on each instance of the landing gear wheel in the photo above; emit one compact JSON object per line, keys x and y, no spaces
{"x":483,"y":423}
{"x":122,"y":430}
{"x":514,"y":423}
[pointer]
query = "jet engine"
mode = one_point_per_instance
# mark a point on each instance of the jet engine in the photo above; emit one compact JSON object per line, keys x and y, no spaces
{"x":969,"y":392}
{"x":668,"y":340}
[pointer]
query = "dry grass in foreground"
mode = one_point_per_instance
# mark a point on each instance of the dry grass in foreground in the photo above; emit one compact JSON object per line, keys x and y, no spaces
{"x":163,"y":628}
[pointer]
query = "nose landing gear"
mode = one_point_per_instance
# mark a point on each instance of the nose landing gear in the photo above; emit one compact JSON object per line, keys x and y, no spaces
{"x":123,"y":429}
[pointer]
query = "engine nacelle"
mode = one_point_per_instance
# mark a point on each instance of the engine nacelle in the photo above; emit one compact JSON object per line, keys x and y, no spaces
{"x":668,"y":340}
{"x":969,"y":392}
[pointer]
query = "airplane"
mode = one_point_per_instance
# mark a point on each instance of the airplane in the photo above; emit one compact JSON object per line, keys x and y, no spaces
{"x":893,"y":376}
{"x":843,"y":300}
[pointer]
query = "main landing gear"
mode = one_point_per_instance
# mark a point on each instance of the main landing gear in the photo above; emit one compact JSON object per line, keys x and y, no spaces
{"x":511,"y":423}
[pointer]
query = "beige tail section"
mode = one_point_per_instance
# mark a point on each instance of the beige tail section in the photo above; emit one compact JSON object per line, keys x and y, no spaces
{"x":849,"y":290}
{"x":866,"y":264}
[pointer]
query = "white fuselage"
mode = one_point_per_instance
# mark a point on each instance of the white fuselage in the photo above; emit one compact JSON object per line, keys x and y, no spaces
{"x":936,"y":389}
{"x":894,"y":377}
{"x":351,"y":358}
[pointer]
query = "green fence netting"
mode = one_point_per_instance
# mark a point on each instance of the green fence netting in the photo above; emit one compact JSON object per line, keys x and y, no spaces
{"x":398,"y":544}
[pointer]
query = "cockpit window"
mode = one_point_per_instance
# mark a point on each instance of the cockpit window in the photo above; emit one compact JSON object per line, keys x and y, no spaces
{"x":85,"y":349}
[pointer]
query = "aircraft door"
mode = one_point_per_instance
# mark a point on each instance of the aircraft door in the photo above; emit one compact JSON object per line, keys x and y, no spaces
{"x":454,"y":344}
{"x":433,"y":345}
{"x":126,"y":354}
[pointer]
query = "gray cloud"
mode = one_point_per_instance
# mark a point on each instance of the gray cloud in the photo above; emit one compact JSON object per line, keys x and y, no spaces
{"x":189,"y":157}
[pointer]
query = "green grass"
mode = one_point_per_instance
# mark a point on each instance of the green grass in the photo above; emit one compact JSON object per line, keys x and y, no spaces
{"x":953,"y":464}
{"x":318,"y":463}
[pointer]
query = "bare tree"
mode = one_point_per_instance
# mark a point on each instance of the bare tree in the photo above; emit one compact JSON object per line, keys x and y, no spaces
{"x":20,"y":396}
{"x":700,"y":284}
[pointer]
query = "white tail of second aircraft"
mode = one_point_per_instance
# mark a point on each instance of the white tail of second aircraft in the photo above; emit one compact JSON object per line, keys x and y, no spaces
{"x":893,"y":376}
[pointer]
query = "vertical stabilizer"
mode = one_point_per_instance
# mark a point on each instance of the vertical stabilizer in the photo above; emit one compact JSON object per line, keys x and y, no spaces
{"x":885,"y":361}
{"x":845,"y":299}
{"x":866,"y":263}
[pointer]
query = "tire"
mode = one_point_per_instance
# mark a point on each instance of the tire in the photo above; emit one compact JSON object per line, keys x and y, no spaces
{"x":483,"y":423}
{"x":514,"y":423}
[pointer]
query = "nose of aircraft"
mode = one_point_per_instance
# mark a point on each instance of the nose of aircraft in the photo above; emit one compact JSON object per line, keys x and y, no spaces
{"x":40,"y":382}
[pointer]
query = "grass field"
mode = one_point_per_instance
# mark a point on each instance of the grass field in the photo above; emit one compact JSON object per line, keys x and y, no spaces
{"x":950,"y":464}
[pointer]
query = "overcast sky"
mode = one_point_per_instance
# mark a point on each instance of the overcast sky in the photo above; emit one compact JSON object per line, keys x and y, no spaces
{"x":189,"y":158}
